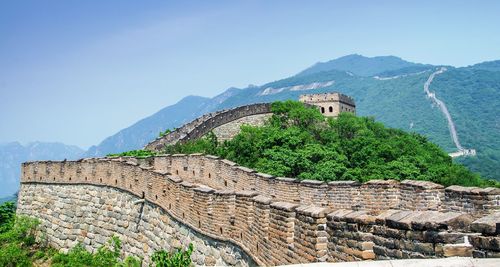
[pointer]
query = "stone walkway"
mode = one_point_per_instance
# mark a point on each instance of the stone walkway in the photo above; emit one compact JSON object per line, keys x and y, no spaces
{"x":444,"y":262}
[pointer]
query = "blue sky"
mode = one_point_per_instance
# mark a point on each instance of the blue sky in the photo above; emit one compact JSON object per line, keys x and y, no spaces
{"x":79,"y":71}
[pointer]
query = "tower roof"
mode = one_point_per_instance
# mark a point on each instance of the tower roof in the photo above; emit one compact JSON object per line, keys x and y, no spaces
{"x":327,"y":97}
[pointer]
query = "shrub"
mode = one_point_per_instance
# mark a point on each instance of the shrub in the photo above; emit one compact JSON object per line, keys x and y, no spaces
{"x":14,"y":254}
{"x":7,"y":212}
{"x":17,"y":236}
{"x":166,"y":132}
{"x":180,"y":258}
{"x":107,"y":255}
{"x":135,"y":153}
{"x":299,"y":142}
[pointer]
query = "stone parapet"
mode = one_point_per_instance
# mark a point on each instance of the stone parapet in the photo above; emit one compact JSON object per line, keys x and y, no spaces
{"x":472,"y":199}
{"x":208,"y":122}
{"x":374,"y":194}
{"x":272,"y":220}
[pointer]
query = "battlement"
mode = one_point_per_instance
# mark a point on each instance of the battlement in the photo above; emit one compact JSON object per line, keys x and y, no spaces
{"x":327,"y":97}
{"x":208,"y":122}
{"x":226,"y":123}
{"x":273,"y":220}
{"x":330,"y":104}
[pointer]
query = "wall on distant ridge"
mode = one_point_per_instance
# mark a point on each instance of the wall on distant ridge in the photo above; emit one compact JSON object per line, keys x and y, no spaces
{"x":230,"y":130}
{"x":208,"y":122}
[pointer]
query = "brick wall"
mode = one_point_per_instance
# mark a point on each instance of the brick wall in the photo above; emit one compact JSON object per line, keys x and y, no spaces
{"x":273,"y":220}
{"x":204,"y":124}
{"x":374,"y":195}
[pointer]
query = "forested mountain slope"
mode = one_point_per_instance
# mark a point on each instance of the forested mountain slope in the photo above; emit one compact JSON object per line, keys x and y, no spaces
{"x":147,"y":129}
{"x":387,"y":88}
{"x":363,"y":66}
{"x":473,"y":99}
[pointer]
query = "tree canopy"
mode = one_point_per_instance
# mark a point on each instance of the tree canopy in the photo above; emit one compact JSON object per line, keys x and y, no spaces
{"x":299,"y":142}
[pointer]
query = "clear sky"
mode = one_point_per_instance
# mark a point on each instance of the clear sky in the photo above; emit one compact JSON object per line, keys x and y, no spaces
{"x":79,"y":71}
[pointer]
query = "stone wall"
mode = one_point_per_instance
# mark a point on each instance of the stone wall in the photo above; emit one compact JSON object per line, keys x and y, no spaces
{"x":229,"y":130}
{"x":92,"y":214}
{"x":327,"y":97}
{"x":275,"y":220}
{"x":204,"y":124}
{"x":330,"y":104}
{"x":374,"y":195}
{"x":226,"y":123}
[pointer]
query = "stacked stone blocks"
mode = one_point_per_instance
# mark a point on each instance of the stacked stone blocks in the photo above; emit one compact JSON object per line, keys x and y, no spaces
{"x":273,"y":220}
{"x":255,"y":114}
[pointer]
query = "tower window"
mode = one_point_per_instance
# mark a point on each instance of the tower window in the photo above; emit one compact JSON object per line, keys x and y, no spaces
{"x":330,"y":109}
{"x":322,"y":110}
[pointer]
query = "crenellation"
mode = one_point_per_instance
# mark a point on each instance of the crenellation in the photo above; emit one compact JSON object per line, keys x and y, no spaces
{"x":223,"y":213}
{"x":196,"y":168}
{"x":330,"y":104}
{"x":313,"y":192}
{"x":271,"y":220}
{"x":281,"y":231}
{"x":477,"y":201}
{"x":343,"y":194}
{"x":310,"y":237}
{"x":265,"y":184}
{"x":242,"y":178}
{"x":227,"y":175}
{"x":225,"y":123}
{"x":380,"y":194}
{"x":156,"y":231}
{"x":163,"y":163}
{"x":244,"y":217}
{"x":202,"y":214}
{"x":421,"y":195}
{"x":286,"y":189}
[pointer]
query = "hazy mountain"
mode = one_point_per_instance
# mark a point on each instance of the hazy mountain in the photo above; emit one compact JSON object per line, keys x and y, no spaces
{"x":12,"y":198}
{"x":13,"y":154}
{"x":145,"y":130}
{"x":488,"y":65}
{"x":362,"y":66}
{"x":388,"y":88}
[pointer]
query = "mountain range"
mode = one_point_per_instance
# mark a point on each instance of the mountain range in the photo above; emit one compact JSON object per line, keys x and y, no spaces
{"x":385,"y":87}
{"x":13,"y":154}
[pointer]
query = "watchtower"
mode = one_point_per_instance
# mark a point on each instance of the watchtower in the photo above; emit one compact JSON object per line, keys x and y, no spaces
{"x":330,"y":104}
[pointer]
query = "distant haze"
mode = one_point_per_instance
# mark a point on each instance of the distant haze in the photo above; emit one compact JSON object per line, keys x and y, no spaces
{"x":79,"y":71}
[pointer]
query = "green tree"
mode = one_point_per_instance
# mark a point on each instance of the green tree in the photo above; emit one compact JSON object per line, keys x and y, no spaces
{"x":298,"y":141}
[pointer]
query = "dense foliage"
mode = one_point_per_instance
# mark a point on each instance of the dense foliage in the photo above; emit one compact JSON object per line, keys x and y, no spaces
{"x":135,"y":153}
{"x":475,"y":112}
{"x":17,"y":237}
{"x":20,"y":246}
{"x":7,"y":212}
{"x":299,"y":142}
{"x":163,"y":133}
{"x":106,"y":256}
{"x":179,"y":258}
{"x":470,"y":93}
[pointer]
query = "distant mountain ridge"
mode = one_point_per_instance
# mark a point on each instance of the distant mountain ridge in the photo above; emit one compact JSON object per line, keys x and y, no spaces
{"x":362,"y":66}
{"x":388,"y":88}
{"x":147,"y":129}
{"x":488,"y":65}
{"x":13,"y":154}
